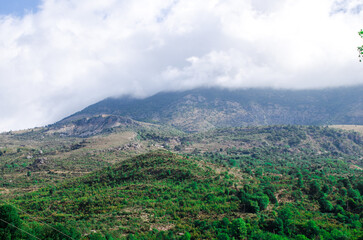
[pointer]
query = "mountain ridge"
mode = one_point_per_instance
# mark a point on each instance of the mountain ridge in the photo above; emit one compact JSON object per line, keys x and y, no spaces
{"x":206,"y":108}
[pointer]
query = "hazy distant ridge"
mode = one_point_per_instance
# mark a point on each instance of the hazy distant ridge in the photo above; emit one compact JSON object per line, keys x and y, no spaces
{"x":201,"y":109}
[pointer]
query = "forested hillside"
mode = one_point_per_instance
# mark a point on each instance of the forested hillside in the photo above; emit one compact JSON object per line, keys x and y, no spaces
{"x":272,"y":182}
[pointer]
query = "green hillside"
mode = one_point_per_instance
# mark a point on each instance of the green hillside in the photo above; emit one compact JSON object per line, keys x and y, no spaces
{"x":111,"y":177}
{"x":32,"y":159}
{"x":207,"y":195}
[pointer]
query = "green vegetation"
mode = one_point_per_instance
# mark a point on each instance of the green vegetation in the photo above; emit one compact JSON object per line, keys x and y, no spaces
{"x":271,"y":182}
{"x":10,"y":222}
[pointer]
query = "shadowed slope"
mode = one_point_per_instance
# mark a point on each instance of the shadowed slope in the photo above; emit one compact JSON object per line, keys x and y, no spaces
{"x":202,"y":109}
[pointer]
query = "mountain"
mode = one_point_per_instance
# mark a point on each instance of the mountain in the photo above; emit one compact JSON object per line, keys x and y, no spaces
{"x":183,"y":165}
{"x":203,"y":109}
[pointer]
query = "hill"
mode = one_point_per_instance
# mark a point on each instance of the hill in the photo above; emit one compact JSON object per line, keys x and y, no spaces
{"x":270,"y":182}
{"x":32,"y":159}
{"x":161,"y":195}
{"x":202,"y":109}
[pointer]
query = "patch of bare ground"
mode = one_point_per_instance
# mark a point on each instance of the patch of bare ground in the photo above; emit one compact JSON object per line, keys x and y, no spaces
{"x":13,"y":192}
{"x":76,"y":173}
{"x":220,"y":169}
{"x":234,"y":172}
{"x":283,"y":197}
{"x":4,"y":191}
{"x":356,"y":128}
{"x":162,"y":227}
{"x":352,"y":166}
{"x":112,"y":140}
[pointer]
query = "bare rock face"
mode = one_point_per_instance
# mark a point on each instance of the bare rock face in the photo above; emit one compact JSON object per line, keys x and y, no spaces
{"x":130,"y":146}
{"x":90,"y":126}
{"x":39,"y":163}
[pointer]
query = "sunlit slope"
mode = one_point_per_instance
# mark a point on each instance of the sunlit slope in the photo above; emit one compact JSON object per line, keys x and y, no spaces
{"x":356,"y":128}
{"x":157,"y":190}
{"x":168,"y":194}
{"x":30,"y":160}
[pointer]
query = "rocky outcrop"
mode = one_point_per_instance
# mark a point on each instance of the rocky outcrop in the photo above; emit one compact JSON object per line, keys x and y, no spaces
{"x":89,"y":126}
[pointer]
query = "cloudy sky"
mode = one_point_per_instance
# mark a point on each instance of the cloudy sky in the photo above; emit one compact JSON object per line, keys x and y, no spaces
{"x":59,"y":56}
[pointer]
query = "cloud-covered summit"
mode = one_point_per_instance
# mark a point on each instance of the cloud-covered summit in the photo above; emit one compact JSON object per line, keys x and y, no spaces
{"x":72,"y":53}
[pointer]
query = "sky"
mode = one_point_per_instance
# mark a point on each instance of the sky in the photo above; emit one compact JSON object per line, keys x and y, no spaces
{"x":18,"y":7}
{"x":59,"y":56}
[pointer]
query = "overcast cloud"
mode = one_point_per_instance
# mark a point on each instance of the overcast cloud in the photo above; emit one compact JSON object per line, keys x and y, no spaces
{"x":72,"y":53}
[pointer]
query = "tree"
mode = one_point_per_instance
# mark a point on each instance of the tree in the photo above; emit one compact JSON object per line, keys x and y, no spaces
{"x":223,"y":236}
{"x":238,"y":229}
{"x":301,"y":237}
{"x":284,"y":222}
{"x":325,"y":205}
{"x":60,"y":232}
{"x":314,"y":188}
{"x":10,"y":223}
{"x":186,"y":236}
{"x":360,"y":49}
{"x":311,"y":229}
{"x":96,"y":236}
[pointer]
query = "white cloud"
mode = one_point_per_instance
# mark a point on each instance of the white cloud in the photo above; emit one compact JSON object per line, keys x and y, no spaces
{"x":72,"y":53}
